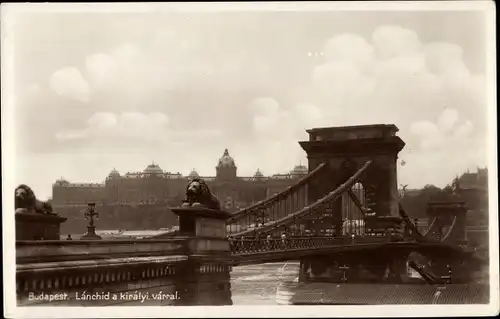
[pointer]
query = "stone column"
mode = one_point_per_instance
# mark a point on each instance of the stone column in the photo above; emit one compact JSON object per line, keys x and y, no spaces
{"x":383,"y":174}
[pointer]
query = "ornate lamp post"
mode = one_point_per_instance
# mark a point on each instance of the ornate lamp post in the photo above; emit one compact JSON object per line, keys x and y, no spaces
{"x":89,"y":214}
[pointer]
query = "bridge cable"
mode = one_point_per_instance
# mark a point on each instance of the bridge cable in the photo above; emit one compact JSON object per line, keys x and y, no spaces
{"x":333,"y":195}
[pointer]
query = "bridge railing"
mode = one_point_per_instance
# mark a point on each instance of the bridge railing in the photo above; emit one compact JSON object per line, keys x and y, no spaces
{"x":252,"y":246}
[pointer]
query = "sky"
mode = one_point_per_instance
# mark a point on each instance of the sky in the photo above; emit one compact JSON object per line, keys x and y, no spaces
{"x":97,"y":91}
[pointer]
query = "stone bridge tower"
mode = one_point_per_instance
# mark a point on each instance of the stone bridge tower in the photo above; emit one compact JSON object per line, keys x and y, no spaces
{"x":346,"y":149}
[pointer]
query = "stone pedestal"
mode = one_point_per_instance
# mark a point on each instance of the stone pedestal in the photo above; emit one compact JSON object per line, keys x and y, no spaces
{"x":36,"y":226}
{"x":205,"y":277}
{"x":199,"y":221}
{"x":91,"y":234}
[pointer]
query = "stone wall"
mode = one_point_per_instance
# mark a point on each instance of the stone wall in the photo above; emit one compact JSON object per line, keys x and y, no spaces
{"x":148,"y":281}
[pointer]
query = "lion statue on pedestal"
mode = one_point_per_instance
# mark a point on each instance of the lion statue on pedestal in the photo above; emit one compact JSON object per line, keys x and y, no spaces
{"x":26,"y":201}
{"x":198,"y":194}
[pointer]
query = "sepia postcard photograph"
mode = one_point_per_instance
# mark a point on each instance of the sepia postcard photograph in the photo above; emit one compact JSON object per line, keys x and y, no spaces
{"x":249,"y":159}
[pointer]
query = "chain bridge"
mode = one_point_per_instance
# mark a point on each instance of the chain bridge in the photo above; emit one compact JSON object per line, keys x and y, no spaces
{"x":343,"y":215}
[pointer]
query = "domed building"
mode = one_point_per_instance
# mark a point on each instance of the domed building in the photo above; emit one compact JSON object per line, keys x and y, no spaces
{"x":258,"y":175}
{"x":61,"y":182}
{"x":299,"y":171}
{"x":194,"y":174}
{"x":226,"y":169}
{"x":153,"y":169}
{"x":114,"y":174}
{"x":226,"y":160}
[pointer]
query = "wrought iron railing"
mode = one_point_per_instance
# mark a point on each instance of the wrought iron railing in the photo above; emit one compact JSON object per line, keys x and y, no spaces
{"x":252,"y":246}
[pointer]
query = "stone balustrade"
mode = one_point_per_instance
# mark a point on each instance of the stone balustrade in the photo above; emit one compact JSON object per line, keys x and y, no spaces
{"x":66,"y":250}
{"x":191,"y":268}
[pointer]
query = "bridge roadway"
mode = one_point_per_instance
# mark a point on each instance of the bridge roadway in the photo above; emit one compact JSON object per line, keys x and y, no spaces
{"x":49,"y":253}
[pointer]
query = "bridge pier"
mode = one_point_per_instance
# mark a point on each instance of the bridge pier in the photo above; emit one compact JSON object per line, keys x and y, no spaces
{"x":380,"y":265}
{"x":204,"y":284}
{"x":205,"y":278}
{"x":315,"y":268}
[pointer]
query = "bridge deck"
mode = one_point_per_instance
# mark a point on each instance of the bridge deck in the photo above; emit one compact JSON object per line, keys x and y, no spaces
{"x":263,"y":251}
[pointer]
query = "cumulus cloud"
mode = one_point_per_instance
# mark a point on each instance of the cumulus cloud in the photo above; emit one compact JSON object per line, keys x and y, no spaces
{"x":174,"y":84}
{"x":275,"y":121}
{"x":349,"y":48}
{"x":448,"y":119}
{"x":100,"y":68}
{"x":69,"y":82}
{"x":448,"y":127}
{"x":423,"y":88}
{"x":150,"y":126}
{"x":393,"y":41}
{"x":393,"y":78}
{"x":399,"y":77}
{"x":133,"y":129}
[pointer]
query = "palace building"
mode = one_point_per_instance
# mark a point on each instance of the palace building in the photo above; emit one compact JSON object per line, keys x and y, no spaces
{"x":155,"y":189}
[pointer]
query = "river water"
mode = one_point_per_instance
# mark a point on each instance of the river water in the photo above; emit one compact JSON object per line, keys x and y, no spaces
{"x":257,"y":284}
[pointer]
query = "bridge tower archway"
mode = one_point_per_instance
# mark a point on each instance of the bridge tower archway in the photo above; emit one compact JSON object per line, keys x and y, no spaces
{"x":345,"y":150}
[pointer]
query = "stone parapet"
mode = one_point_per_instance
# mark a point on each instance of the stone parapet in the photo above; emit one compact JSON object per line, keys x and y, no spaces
{"x":67,"y":250}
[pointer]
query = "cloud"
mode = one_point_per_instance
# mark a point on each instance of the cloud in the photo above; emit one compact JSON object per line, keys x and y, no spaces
{"x":448,"y":119}
{"x":349,"y":48}
{"x":133,"y":130}
{"x":393,"y":41}
{"x":196,"y":84}
{"x":272,"y":121}
{"x":150,"y":126}
{"x":392,"y":79}
{"x":447,"y":147}
{"x":69,"y":82}
{"x":448,"y":132}
{"x":100,"y":68}
{"x":423,"y":88}
{"x":399,"y":78}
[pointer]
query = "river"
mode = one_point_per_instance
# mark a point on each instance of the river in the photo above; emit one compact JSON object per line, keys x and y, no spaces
{"x":257,"y":284}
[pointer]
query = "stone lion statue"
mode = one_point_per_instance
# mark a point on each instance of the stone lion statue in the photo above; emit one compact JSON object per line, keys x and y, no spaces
{"x":198,"y":194}
{"x":26,"y":201}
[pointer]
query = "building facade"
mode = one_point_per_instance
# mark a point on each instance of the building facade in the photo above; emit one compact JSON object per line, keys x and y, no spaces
{"x":473,"y":189}
{"x":144,"y":196}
